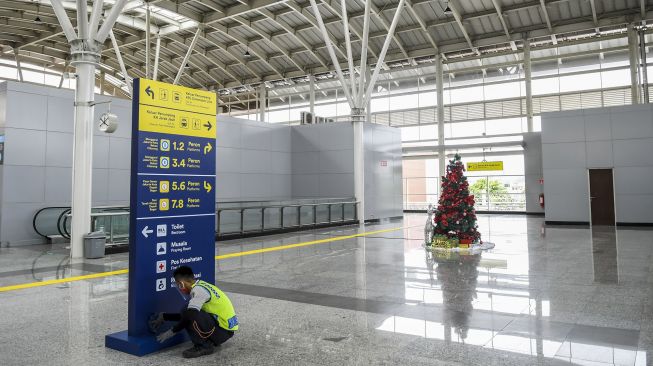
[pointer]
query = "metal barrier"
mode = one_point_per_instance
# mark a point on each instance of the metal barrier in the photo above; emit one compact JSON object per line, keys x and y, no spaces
{"x":266,"y":218}
{"x":232,"y":218}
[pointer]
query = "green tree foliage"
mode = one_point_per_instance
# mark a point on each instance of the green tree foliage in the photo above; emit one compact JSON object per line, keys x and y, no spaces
{"x":497,"y":191}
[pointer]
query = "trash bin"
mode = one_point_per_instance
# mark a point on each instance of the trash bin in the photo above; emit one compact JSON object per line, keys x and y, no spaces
{"x":94,"y":244}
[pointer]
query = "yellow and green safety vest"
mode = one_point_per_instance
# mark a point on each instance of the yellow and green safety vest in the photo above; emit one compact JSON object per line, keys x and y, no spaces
{"x":220,"y":306}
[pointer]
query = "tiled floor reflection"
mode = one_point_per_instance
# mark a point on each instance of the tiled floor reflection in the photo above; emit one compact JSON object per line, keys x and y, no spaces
{"x":543,"y":296}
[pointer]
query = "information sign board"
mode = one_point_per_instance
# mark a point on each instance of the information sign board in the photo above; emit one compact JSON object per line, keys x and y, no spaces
{"x":172,"y":209}
{"x":485,"y":166}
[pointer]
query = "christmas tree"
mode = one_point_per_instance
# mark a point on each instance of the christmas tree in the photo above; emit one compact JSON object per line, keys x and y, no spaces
{"x":456,"y":216}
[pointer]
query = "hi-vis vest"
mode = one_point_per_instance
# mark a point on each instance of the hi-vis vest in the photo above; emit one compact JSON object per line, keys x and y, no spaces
{"x":220,"y":306}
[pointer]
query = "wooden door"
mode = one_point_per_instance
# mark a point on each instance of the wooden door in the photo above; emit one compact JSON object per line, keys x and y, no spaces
{"x":602,"y":197}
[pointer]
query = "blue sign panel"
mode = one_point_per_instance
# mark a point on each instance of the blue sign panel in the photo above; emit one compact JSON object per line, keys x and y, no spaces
{"x":172,"y":208}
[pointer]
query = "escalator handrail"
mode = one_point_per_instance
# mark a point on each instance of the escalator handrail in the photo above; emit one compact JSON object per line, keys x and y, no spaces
{"x":61,"y":224}
{"x":37,"y":214}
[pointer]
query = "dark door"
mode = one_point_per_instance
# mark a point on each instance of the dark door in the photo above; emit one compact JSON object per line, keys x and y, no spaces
{"x":601,"y":197}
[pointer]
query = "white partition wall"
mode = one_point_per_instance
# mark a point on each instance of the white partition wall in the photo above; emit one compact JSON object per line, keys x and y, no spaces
{"x":37,"y":124}
{"x":575,"y":141}
{"x":256,"y":161}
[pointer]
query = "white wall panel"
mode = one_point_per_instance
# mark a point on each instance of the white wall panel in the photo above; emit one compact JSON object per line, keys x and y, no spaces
{"x":599,"y":154}
{"x":24,"y":147}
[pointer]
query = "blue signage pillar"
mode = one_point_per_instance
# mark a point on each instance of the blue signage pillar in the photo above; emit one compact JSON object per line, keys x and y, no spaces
{"x":172,"y":209}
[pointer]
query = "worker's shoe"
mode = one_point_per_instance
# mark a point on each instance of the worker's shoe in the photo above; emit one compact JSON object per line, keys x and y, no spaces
{"x":198,"y":351}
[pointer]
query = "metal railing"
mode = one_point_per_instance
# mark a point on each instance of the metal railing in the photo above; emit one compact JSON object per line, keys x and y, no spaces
{"x":232,"y":218}
{"x":418,"y":197}
{"x":247,"y":218}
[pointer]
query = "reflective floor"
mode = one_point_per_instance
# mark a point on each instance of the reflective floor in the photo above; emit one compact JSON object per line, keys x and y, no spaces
{"x":543,"y":296}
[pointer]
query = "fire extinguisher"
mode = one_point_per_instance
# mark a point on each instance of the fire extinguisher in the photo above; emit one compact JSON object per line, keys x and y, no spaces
{"x":541,"y":200}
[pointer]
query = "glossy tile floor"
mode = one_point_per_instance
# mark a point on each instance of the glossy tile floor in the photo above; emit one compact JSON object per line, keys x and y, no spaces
{"x":543,"y":296}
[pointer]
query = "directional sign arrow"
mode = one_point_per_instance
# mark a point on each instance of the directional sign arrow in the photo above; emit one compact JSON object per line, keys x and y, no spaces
{"x":149,"y":92}
{"x":208,"y":125}
{"x":208,"y":148}
{"x":146,"y":231}
{"x":207,"y":186}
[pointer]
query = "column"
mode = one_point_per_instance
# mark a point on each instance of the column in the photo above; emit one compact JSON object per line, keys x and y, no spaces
{"x":262,"y":96}
{"x":528,"y":82}
{"x":85,"y":55}
{"x":311,"y":95}
{"x":440,"y":93}
{"x":358,"y":120}
{"x":634,"y":60}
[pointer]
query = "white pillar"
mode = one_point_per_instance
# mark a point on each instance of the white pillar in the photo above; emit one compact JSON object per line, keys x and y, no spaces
{"x":357,"y":119}
{"x":147,"y":41}
{"x":262,"y":96}
{"x":643,"y":70}
{"x":528,"y":81}
{"x":311,"y":96}
{"x":634,"y":61}
{"x":440,"y":94}
{"x":84,"y":60}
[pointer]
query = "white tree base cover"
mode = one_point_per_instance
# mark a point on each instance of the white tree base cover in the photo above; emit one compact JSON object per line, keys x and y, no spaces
{"x":473,"y":249}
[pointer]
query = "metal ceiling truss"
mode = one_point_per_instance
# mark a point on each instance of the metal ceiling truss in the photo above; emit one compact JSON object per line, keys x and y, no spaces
{"x":18,"y":30}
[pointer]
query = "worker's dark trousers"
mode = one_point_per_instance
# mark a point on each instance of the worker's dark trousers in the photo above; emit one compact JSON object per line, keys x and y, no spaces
{"x":202,"y":328}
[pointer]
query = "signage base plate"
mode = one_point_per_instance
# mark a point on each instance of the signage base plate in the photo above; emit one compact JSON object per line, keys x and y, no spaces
{"x":140,"y":345}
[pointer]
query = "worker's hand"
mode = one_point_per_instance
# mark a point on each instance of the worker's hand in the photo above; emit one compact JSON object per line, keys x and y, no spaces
{"x":155,"y":322}
{"x":165,"y":336}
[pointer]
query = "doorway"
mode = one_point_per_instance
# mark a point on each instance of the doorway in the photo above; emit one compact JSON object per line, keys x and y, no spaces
{"x":602,"y":197}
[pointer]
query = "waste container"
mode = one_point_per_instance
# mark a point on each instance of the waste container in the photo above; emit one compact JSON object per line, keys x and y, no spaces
{"x":94,"y":244}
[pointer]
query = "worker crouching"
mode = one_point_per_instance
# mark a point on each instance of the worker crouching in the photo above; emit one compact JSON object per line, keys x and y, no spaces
{"x":209,"y":318}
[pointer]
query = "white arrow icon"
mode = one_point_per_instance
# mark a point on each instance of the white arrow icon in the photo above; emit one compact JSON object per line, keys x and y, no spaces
{"x":146,"y":231}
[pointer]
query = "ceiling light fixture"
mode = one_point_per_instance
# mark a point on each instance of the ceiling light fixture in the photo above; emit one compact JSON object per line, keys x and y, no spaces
{"x":247,"y":54}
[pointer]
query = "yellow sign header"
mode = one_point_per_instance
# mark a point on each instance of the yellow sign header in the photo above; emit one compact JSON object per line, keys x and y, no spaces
{"x":166,"y":95}
{"x":164,"y":120}
{"x":485,"y":166}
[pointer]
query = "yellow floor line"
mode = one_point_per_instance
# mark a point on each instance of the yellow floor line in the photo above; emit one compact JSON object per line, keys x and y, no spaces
{"x":217,"y":257}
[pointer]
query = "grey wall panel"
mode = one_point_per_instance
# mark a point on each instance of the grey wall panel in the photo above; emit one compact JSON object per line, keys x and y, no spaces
{"x":598,"y":124}
{"x":100,"y":191}
{"x":336,"y":185}
{"x":305,"y":185}
{"x":101,"y":151}
{"x":627,"y":148}
{"x":25,"y":110}
{"x":634,"y":152}
{"x":118,"y":186}
{"x":255,"y":186}
{"x":228,"y":187}
{"x":633,"y":180}
{"x":564,"y":127}
{"x":533,"y":171}
{"x":632,"y":122}
{"x":280,"y":139}
{"x":383,"y":162}
{"x":634,"y":208}
{"x":306,"y":162}
{"x":254,"y":136}
{"x":58,"y":187}
{"x":599,"y":154}
{"x":59,"y":149}
{"x":564,"y":155}
{"x":280,"y":162}
{"x":119,"y":153}
{"x":61,"y":116}
{"x":566,"y":194}
{"x":24,"y":147}
{"x":228,"y":132}
{"x":228,"y":160}
{"x":17,"y":227}
{"x":336,"y":161}
{"x":254,"y":161}
{"x":26,"y":184}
